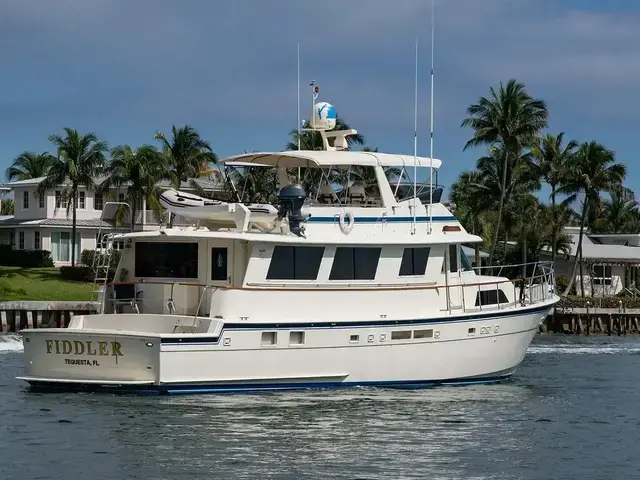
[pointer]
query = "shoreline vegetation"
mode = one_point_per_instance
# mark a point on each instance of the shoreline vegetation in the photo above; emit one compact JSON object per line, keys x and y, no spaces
{"x":497,"y":199}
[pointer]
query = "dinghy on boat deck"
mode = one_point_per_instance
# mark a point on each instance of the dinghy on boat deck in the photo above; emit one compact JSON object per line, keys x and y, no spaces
{"x":199,"y":208}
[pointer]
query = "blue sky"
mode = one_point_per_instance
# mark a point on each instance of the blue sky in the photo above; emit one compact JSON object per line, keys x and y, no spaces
{"x":125,"y":69}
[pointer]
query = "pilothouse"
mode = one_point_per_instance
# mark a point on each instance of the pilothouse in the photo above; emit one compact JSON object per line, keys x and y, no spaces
{"x":351,"y":272}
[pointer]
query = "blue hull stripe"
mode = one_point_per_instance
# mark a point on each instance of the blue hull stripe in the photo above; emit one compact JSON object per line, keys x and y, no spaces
{"x":190,"y":340}
{"x":381,"y":219}
{"x":255,"y":387}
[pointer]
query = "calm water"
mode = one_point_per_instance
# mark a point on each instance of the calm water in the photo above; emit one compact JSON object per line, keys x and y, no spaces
{"x":571,"y":412}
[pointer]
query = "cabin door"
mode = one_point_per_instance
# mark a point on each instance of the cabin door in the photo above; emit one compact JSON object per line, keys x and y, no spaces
{"x":219,"y":270}
{"x":453,"y":277}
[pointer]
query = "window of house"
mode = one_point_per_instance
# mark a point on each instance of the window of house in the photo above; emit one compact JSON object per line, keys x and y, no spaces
{"x":41,"y":199}
{"x":36,"y":241}
{"x":167,"y":260}
{"x":295,"y":263}
{"x":25,"y":200}
{"x":359,"y":263}
{"x":101,"y":242}
{"x":82,"y":200}
{"x":60,"y":203}
{"x":414,"y":261}
{"x":121,"y":197}
{"x":21,"y":240}
{"x":602,"y":275}
{"x":61,"y":246}
{"x":97,"y":202}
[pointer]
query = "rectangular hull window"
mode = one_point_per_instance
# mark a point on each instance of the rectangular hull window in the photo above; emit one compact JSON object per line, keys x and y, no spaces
{"x":423,"y":333}
{"x":295,"y":263}
{"x":355,"y":263}
{"x":401,"y":335}
{"x":296,"y":338}
{"x":166,"y":260}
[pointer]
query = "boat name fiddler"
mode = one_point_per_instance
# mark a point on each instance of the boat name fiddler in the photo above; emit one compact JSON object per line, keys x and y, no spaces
{"x":87,"y":347}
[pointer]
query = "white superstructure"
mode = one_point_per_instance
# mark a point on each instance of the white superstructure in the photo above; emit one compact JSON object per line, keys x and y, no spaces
{"x":360,"y":285}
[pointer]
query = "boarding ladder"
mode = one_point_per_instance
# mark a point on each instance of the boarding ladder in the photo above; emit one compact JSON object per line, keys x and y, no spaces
{"x":102,"y":258}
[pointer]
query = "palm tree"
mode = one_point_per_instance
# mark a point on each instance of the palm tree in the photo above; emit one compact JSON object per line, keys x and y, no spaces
{"x":139,"y":170}
{"x":188,"y":155}
{"x":593,"y":170}
{"x":510,"y":119}
{"x":79,"y":159}
{"x":551,"y":159}
{"x":29,"y":165}
{"x":620,"y":214}
{"x":7,"y":206}
{"x":312,"y":140}
{"x":472,"y":200}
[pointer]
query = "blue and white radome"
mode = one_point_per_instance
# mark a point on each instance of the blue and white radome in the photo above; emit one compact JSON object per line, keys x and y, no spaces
{"x":354,"y":276}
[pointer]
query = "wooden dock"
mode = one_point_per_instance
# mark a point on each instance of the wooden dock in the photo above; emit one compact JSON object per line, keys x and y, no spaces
{"x":590,"y":321}
{"x":17,"y":315}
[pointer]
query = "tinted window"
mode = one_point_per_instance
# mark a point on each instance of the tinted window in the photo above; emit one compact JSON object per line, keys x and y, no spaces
{"x":490,"y":297}
{"x":169,"y":260}
{"x":295,"y":263}
{"x":453,"y":258}
{"x":355,"y":263}
{"x":219,"y":263}
{"x":414,"y":261}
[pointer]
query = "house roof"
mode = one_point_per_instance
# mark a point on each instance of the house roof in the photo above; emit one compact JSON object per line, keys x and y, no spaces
{"x":599,"y":251}
{"x":204,"y":183}
{"x":471,"y":253}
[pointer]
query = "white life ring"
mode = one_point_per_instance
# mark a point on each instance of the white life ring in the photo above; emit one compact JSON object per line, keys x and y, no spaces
{"x":346,"y":227}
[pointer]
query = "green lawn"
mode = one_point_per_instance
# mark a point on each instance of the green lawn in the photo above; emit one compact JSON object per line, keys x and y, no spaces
{"x":40,"y":284}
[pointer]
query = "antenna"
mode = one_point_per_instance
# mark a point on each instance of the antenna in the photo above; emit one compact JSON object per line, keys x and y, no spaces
{"x":433,"y":23}
{"x":415,"y":143}
{"x":299,"y":96}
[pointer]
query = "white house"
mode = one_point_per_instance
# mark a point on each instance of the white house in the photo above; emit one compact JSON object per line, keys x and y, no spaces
{"x":41,"y":221}
{"x":610,"y":262}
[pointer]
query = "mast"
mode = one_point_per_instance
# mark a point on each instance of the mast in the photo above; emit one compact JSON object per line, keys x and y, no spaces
{"x":433,"y":23}
{"x":415,"y":143}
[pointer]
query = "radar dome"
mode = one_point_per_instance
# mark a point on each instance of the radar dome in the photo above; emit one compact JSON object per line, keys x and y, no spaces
{"x":324,"y":116}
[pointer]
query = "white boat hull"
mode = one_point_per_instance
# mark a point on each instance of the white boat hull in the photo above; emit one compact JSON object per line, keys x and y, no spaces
{"x":234,"y":359}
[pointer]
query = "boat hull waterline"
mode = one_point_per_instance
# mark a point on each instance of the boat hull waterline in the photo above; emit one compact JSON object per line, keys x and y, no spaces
{"x":235,"y":361}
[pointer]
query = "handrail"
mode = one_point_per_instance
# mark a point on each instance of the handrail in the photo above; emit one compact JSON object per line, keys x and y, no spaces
{"x":527,"y":290}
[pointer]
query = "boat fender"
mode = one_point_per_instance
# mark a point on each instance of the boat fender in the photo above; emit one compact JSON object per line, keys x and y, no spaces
{"x":346,"y":227}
